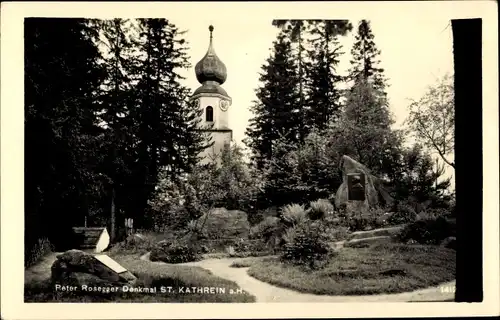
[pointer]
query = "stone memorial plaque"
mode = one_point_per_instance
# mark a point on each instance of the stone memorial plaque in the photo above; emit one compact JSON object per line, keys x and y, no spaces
{"x":356,"y":186}
{"x":110,"y":263}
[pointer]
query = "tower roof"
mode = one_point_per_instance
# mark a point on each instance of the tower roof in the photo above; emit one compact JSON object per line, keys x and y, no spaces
{"x":210,"y":67}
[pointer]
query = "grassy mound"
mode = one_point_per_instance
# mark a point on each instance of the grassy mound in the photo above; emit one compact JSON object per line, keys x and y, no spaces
{"x":381,"y":268}
{"x":150,"y":275}
{"x":247,"y":262}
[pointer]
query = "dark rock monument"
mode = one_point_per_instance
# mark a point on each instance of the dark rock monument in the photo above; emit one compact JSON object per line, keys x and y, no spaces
{"x":360,"y":190}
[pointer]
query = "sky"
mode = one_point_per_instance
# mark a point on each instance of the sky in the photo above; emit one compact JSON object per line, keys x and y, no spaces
{"x":416,"y":50}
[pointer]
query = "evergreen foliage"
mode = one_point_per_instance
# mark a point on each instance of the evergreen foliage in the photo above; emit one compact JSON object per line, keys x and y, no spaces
{"x":322,"y":77}
{"x":365,"y":58}
{"x":63,"y":178}
{"x":275,"y":110}
{"x":105,"y":103}
{"x":364,"y":132}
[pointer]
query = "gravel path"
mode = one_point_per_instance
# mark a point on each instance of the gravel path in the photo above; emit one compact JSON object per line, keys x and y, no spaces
{"x":265,"y":292}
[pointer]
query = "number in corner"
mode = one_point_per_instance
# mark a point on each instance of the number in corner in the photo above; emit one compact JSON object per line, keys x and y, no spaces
{"x":448,"y":289}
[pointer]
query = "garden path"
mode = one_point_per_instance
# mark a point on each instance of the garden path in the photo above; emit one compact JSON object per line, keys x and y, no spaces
{"x":265,"y":292}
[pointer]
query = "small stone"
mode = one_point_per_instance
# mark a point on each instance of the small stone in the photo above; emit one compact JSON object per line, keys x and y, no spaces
{"x":411,"y":241}
{"x":450,"y":243}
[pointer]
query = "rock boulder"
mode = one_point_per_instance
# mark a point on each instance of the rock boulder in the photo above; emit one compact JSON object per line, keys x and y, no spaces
{"x":222,"y":223}
{"x":75,"y":267}
{"x":374,"y":190}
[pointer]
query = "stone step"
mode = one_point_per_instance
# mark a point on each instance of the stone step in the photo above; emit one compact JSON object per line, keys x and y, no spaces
{"x":346,"y":243}
{"x":371,"y":240}
{"x":376,"y":232}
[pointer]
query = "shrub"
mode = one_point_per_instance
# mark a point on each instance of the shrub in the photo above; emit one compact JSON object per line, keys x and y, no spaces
{"x":41,"y":248}
{"x":293,"y":214}
{"x":404,"y":213}
{"x":240,"y":264}
{"x":265,"y":230}
{"x":192,"y":226}
{"x":359,"y":223}
{"x":136,"y":243}
{"x":337,"y":233}
{"x":428,"y":231}
{"x":306,"y":244}
{"x":254,"y":247}
{"x":320,"y":209}
{"x":173,"y":252}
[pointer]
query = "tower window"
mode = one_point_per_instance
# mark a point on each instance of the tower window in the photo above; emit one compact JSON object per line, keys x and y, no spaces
{"x":209,"y":114}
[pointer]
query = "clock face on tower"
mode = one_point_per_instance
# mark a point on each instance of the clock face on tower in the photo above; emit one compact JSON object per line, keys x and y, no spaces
{"x":224,"y":105}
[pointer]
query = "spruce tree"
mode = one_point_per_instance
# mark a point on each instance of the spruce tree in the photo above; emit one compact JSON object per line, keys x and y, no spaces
{"x":322,"y":77}
{"x":281,"y":175}
{"x":62,"y":176}
{"x":275,"y":111}
{"x":167,"y":127}
{"x":296,"y":31}
{"x":365,"y":58}
{"x":116,"y":115}
{"x":364,"y":131}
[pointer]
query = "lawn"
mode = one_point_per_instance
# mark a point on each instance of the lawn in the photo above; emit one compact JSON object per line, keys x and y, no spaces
{"x":150,"y":275}
{"x":381,"y":268}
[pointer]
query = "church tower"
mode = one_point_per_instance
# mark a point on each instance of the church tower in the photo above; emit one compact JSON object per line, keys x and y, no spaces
{"x":213,"y":100}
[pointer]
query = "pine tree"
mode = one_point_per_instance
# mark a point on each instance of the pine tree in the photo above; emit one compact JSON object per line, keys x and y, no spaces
{"x":365,"y":58}
{"x":323,"y":80}
{"x":275,"y":111}
{"x":62,"y":78}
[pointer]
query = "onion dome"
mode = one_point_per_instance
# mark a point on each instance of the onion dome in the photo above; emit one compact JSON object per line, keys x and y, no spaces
{"x":210,"y":67}
{"x":210,"y":87}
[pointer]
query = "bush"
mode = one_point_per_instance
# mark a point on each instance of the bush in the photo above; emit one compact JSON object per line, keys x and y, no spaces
{"x":266,"y":229}
{"x":135,"y":244}
{"x":404,"y":213}
{"x":320,"y":209}
{"x":41,"y":248}
{"x":253,"y":247}
{"x":306,"y":244}
{"x":293,"y":214}
{"x":359,"y":223}
{"x":428,"y":231}
{"x":337,"y":233}
{"x":173,"y":252}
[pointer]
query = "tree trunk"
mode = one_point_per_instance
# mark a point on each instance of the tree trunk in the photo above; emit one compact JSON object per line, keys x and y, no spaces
{"x":113,"y":216}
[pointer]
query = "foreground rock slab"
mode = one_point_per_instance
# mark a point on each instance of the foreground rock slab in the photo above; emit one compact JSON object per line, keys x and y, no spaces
{"x":77,"y":268}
